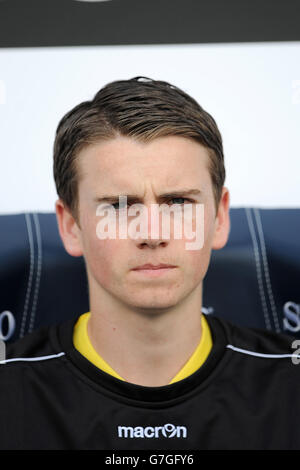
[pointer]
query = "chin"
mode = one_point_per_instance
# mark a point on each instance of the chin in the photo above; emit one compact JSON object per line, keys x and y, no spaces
{"x":153,"y":303}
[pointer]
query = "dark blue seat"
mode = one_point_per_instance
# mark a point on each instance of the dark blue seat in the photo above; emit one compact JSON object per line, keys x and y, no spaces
{"x":253,"y":281}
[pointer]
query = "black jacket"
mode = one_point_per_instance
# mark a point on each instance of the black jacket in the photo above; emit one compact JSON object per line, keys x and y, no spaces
{"x":245,"y":396}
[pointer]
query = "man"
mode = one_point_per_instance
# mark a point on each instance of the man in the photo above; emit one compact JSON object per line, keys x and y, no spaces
{"x":144,"y":368}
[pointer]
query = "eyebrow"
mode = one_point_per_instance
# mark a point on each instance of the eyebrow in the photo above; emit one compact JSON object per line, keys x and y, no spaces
{"x":133,"y":197}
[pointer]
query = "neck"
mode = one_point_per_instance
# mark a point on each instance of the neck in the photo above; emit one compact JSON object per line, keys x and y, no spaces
{"x":145,"y":348}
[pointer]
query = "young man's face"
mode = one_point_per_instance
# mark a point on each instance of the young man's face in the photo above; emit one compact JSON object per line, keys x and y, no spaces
{"x":123,"y":166}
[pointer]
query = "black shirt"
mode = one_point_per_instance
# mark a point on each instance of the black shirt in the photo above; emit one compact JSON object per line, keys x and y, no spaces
{"x":245,"y":396}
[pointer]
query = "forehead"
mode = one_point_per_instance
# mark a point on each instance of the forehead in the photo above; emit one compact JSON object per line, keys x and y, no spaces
{"x":123,"y":163}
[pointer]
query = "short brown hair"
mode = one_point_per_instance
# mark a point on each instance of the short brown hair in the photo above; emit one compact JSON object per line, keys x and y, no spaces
{"x":143,"y":109}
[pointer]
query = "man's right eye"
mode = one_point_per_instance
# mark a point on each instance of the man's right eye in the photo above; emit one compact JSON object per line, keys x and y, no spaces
{"x":122,"y":206}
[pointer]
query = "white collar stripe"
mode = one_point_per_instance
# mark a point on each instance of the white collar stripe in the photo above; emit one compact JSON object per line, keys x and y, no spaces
{"x":254,"y":353}
{"x":31,"y":359}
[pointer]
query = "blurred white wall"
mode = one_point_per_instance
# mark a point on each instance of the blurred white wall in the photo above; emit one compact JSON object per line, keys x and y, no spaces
{"x":252,"y":91}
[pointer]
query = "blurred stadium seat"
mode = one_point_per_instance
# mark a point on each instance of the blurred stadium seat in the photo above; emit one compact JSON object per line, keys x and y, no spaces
{"x":253,"y":281}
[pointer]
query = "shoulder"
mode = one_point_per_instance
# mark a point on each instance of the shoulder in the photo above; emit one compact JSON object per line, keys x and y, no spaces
{"x":39,"y":345}
{"x":258,"y":362}
{"x":259,"y":343}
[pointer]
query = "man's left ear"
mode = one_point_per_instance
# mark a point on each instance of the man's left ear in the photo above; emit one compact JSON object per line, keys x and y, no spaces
{"x":222,"y":222}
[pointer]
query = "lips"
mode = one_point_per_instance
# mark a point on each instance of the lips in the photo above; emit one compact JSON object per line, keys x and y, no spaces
{"x":154,"y":267}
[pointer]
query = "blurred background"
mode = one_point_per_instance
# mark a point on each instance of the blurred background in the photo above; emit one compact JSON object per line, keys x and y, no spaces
{"x":239,"y":59}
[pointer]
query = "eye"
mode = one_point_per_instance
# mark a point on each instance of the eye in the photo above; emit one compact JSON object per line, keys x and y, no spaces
{"x":119,"y":207}
{"x":180,"y":198}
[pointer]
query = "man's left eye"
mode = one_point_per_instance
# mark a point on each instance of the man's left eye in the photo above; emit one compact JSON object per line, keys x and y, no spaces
{"x":180,"y":198}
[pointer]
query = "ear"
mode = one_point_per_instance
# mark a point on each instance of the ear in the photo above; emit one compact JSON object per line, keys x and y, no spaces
{"x":222,"y":222}
{"x":68,"y":229}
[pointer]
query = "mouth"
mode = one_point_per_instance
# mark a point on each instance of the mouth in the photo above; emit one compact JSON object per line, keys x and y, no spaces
{"x":154,"y":271}
{"x":154,"y":266}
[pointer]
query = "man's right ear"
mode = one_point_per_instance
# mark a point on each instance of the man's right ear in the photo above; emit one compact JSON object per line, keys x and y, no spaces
{"x":68,"y":229}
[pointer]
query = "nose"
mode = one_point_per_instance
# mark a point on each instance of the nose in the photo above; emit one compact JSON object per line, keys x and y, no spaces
{"x":152,"y":237}
{"x":142,"y":242}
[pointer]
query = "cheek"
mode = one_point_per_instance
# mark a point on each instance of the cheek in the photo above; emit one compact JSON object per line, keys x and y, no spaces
{"x":198,"y":260}
{"x":104,"y":259}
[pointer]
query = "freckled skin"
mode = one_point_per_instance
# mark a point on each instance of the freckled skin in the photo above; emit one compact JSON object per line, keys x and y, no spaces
{"x":156,"y":317}
{"x":142,"y":169}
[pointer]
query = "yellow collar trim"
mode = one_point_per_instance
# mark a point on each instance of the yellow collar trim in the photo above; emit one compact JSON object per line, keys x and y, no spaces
{"x":83,"y":344}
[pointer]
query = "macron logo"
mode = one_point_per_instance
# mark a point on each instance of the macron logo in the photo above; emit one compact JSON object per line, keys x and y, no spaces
{"x":149,"y":432}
